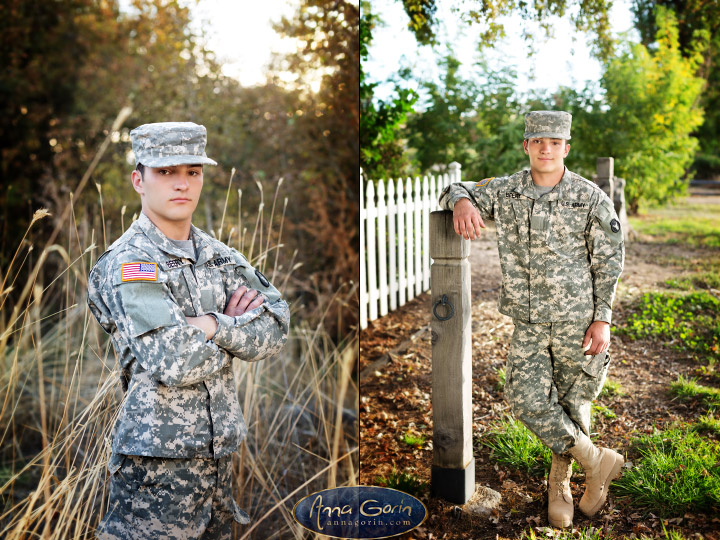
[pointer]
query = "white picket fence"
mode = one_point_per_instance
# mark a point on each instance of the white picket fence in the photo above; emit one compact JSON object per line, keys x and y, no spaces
{"x":394,"y":240}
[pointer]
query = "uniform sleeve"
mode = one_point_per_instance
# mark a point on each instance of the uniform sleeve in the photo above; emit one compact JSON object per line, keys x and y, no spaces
{"x":607,"y":255}
{"x":144,"y":317}
{"x":257,"y":334}
{"x":481,"y":194}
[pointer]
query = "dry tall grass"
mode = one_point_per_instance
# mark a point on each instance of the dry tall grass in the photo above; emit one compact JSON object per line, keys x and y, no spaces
{"x":59,"y":393}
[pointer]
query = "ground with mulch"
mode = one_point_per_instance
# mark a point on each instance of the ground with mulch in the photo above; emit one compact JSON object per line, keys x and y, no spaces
{"x":396,"y":400}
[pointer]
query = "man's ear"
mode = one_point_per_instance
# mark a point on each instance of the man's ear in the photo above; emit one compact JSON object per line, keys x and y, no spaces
{"x":567,"y":150}
{"x":137,"y":182}
{"x":525,"y":146}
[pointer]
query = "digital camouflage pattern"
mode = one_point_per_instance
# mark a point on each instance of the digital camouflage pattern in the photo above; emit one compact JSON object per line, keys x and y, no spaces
{"x":171,"y":499}
{"x":550,"y":383}
{"x":165,"y":144}
{"x":553,"y":124}
{"x":561,"y":254}
{"x":181,"y":400}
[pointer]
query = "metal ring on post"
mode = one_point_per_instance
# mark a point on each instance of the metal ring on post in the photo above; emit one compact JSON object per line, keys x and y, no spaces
{"x":445,"y":302}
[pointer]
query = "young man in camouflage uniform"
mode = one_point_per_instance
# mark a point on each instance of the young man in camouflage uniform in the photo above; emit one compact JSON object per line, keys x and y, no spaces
{"x":561,"y":252}
{"x":178,"y":305}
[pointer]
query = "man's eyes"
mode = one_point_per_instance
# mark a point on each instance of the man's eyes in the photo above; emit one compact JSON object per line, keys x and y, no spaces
{"x":166,"y":172}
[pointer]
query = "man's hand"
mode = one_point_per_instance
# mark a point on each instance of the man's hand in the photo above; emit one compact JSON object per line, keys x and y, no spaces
{"x":206,"y":323}
{"x":599,"y":334}
{"x":467,"y":220}
{"x":242,"y":300}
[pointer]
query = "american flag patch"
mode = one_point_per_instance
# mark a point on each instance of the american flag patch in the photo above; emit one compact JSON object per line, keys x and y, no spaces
{"x":139,"y":271}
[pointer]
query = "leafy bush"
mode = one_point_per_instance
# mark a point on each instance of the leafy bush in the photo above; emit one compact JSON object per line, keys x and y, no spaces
{"x":611,"y":388}
{"x":413,"y":440}
{"x":602,"y":409}
{"x":689,"y":322}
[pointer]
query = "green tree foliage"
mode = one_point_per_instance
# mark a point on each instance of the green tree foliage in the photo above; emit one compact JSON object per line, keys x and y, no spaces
{"x":327,"y":181}
{"x":646,"y":117}
{"x":587,"y":15}
{"x":71,"y":65}
{"x":381,"y":151}
{"x":475,"y":121}
{"x":694,"y":16}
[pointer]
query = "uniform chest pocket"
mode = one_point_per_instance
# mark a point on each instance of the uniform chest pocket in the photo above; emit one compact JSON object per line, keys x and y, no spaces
{"x":568,"y":222}
{"x":180,"y":288}
{"x":511,"y":220}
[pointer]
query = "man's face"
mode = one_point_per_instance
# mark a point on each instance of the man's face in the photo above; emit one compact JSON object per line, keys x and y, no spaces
{"x":169,"y":194}
{"x":546,"y":155}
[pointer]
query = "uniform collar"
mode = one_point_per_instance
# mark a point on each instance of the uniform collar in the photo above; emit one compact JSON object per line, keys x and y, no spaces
{"x":204,"y":248}
{"x":526,"y":186}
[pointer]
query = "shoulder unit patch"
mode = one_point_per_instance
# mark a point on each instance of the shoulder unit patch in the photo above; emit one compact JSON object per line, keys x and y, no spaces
{"x":139,"y":271}
{"x":485,"y":182}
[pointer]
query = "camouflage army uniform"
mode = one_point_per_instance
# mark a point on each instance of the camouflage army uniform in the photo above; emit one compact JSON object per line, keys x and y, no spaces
{"x":180,"y":419}
{"x":561,"y":255}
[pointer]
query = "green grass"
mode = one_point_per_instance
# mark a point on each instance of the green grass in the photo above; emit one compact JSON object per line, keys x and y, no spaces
{"x":402,"y":481}
{"x":689,"y":322}
{"x":512,"y":444}
{"x":591,"y":533}
{"x":413,"y":440}
{"x":683,"y":223}
{"x":699,"y":263}
{"x":678,"y":472}
{"x":500,"y":385}
{"x":611,"y":388}
{"x":708,"y":424}
{"x":699,"y":280}
{"x":689,"y":389}
{"x":673,"y":534}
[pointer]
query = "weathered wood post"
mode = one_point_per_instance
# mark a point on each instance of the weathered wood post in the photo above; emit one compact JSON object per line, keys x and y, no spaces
{"x":605,"y":176}
{"x":615,"y":189}
{"x":453,"y":470}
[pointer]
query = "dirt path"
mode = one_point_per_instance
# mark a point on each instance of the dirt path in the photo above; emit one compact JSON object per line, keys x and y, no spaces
{"x":395,"y":400}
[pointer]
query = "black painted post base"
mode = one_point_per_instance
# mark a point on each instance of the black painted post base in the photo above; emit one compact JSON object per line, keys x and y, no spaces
{"x":453,"y":485}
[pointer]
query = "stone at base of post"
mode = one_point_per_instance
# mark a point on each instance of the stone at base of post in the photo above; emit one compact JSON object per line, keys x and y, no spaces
{"x":453,"y":485}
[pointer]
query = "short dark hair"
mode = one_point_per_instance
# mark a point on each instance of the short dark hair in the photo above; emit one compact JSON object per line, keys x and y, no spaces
{"x":141,"y":169}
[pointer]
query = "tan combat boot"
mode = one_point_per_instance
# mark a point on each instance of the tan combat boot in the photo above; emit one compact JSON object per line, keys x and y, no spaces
{"x":601,"y":466}
{"x":560,"y":503}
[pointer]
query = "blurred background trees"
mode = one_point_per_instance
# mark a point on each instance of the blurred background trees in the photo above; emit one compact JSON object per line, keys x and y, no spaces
{"x":78,"y":76}
{"x":655,"y":107}
{"x":71,"y":65}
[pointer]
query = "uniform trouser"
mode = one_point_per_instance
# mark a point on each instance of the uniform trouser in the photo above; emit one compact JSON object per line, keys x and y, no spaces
{"x":550,"y":382}
{"x":170,"y":499}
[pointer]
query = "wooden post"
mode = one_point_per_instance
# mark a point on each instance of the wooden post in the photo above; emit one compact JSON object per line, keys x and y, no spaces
{"x":614,"y":187}
{"x":453,"y":470}
{"x":605,"y":173}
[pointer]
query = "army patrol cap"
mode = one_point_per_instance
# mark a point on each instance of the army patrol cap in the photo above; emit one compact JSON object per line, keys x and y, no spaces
{"x":165,"y":144}
{"x":553,"y":124}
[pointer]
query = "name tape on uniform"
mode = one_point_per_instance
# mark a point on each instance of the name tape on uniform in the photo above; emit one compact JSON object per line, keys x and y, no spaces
{"x":571,"y":204}
{"x":220,"y":261}
{"x":139,"y":271}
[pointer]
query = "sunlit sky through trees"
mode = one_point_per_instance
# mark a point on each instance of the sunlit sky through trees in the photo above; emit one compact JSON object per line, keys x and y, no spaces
{"x":241,"y":35}
{"x":563,"y":60}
